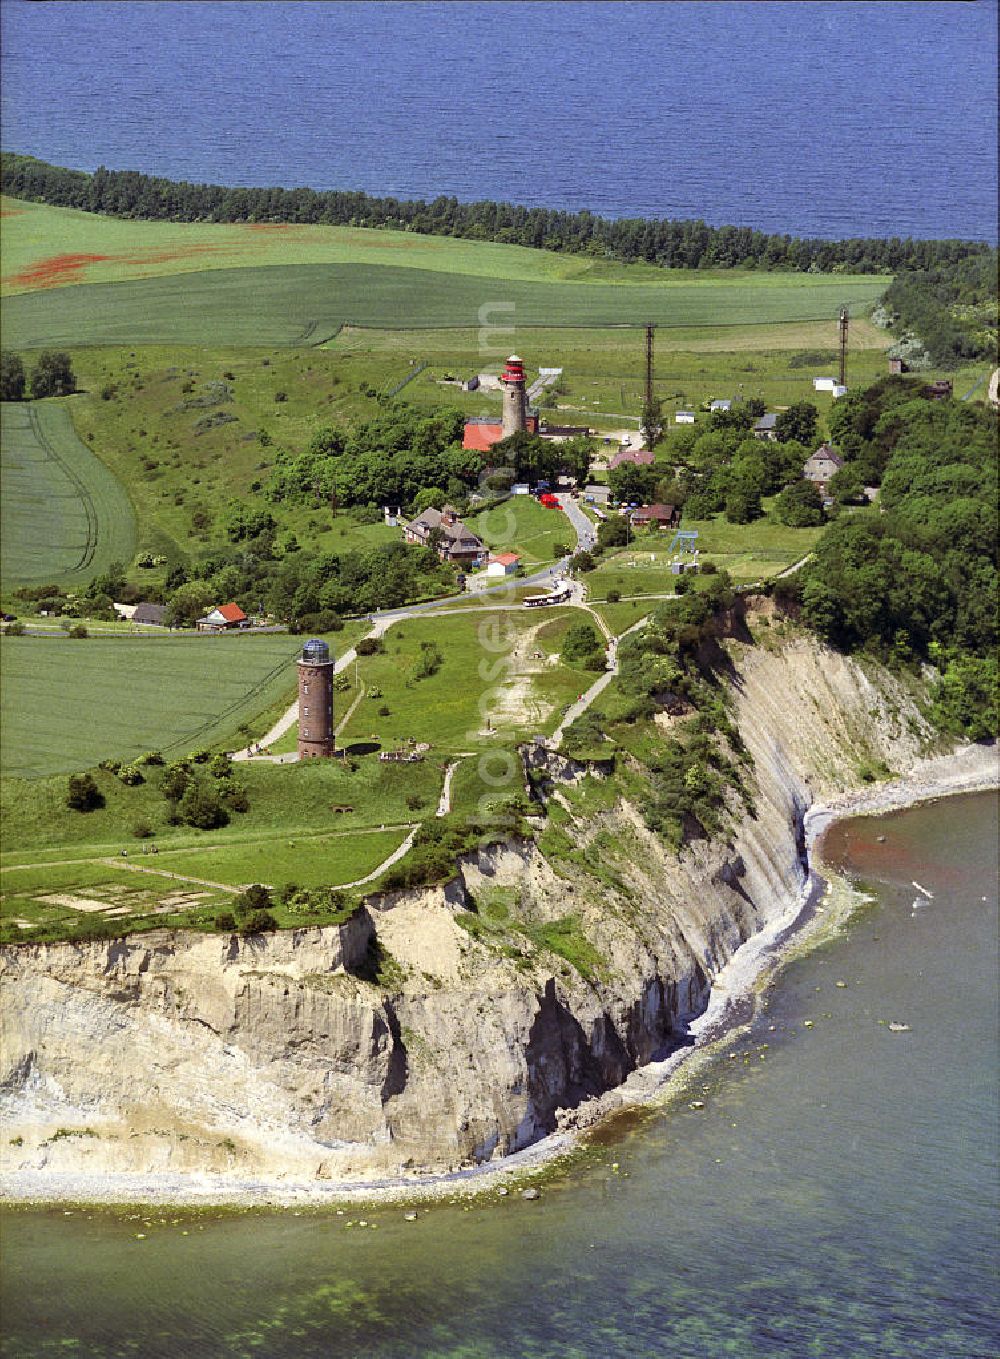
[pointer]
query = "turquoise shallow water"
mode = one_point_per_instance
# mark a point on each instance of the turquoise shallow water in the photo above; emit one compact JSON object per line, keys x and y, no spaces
{"x":836,"y":1196}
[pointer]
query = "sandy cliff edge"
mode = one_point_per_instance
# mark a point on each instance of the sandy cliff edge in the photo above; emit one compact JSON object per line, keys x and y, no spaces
{"x":494,"y":1071}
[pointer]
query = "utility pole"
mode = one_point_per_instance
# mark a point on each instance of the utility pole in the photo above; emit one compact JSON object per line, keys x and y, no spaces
{"x":843,"y":346}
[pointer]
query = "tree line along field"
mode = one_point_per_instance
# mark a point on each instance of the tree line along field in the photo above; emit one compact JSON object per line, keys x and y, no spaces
{"x":50,"y":247}
{"x":64,"y":516}
{"x":67,"y":704}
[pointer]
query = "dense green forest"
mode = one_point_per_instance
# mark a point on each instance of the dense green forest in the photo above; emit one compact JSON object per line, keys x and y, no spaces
{"x":914,"y":577}
{"x":946,"y":314}
{"x":670,"y":244}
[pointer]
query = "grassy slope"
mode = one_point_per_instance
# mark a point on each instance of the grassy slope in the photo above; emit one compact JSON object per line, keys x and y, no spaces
{"x":488,"y":674}
{"x":524,"y":526}
{"x":65,"y":517}
{"x":749,"y":552}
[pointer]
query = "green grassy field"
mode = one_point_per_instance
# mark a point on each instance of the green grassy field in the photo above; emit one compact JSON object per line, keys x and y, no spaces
{"x":68,"y":704}
{"x":309,"y":861}
{"x":305,"y":304}
{"x":490,"y":686}
{"x":318,"y":823}
{"x":64,"y":516}
{"x":749,"y":552}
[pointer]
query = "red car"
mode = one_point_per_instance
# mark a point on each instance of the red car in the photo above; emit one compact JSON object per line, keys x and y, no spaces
{"x":549,"y":501}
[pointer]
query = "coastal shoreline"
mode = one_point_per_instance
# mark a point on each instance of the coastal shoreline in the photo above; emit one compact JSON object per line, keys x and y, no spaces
{"x":731,"y":1006}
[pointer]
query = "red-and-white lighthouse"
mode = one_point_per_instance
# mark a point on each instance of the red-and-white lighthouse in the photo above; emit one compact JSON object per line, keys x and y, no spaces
{"x":515,"y":399}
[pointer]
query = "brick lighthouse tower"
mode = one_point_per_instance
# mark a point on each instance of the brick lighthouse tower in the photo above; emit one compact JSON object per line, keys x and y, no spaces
{"x":315,"y":700}
{"x":515,"y":400}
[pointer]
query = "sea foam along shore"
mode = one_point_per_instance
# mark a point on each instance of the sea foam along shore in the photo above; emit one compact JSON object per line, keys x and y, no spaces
{"x":970,"y":769}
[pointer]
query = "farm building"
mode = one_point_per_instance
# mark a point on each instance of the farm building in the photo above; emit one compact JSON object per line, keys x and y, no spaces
{"x":822,"y":465}
{"x":939,"y":391}
{"x":454,"y":541}
{"x":824,"y":384}
{"x":765,"y":427}
{"x":150,"y":613}
{"x":722,"y":405}
{"x":503,"y":564}
{"x":638,"y":457}
{"x":897,"y":366}
{"x":222,"y":618}
{"x":684,"y":417}
{"x":656,"y":517}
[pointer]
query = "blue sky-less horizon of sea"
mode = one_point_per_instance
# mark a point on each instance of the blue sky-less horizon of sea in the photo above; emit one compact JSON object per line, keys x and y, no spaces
{"x":830,"y":120}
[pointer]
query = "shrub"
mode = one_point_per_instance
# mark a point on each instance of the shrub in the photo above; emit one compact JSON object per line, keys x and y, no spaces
{"x":15,"y":629}
{"x":220,"y":766}
{"x":256,"y":897}
{"x":53,"y":375}
{"x":110,"y":766}
{"x":83,"y":794}
{"x":151,"y":757}
{"x":11,"y":377}
{"x":582,"y":646}
{"x":131,"y":775}
{"x":234,"y":795}
{"x":368,"y":646}
{"x":613,"y":596}
{"x":202,"y":808}
{"x":142,"y":830}
{"x":200,"y":756}
{"x":225,"y":922}
{"x":175,"y":781}
{"x":281,"y":396}
{"x":258,"y":923}
{"x":78,"y":630}
{"x":384,"y":710}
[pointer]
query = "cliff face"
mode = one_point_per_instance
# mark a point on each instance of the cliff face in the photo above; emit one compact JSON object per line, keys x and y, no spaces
{"x":270,"y":1058}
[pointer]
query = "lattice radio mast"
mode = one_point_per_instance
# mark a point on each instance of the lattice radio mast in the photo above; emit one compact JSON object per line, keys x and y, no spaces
{"x":649,"y":367}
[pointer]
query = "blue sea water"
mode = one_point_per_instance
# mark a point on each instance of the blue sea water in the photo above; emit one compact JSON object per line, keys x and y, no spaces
{"x":817,"y":119}
{"x":834,"y":1198}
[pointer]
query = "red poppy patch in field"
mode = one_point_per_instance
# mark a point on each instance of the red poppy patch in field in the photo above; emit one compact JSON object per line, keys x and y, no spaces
{"x":54,"y":270}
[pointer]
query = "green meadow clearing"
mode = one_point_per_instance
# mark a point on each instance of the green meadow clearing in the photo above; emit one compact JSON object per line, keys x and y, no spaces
{"x":489,"y":688}
{"x":64,"y":517}
{"x":307,"y":860}
{"x":305,"y":304}
{"x":524,"y":526}
{"x":68,"y":704}
{"x":749,"y":552}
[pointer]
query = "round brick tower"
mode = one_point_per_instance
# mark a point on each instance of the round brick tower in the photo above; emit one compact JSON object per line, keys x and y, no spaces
{"x":515,"y":400}
{"x":315,"y":700}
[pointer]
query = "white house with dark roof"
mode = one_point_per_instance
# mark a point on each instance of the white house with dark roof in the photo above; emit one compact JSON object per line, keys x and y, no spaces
{"x":822,"y":465}
{"x":765,"y":427}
